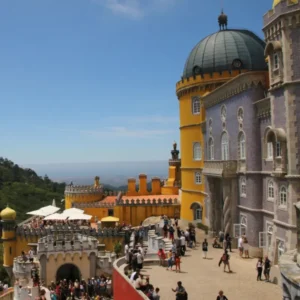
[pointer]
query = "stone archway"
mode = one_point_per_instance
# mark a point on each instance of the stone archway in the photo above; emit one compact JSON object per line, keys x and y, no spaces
{"x":69,"y":272}
{"x":197,"y":209}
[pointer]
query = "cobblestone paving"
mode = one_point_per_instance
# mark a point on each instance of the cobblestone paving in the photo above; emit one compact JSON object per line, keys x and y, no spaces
{"x":202,"y":278}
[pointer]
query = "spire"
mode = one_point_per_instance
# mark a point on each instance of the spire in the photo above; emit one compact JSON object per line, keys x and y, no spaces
{"x":222,"y":19}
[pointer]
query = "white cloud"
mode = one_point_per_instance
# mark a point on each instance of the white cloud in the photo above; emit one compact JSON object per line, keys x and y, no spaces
{"x":127,"y":132}
{"x":135,"y":9}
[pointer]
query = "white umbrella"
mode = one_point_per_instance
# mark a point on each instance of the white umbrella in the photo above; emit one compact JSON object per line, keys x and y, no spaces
{"x":56,"y":216}
{"x":44,"y":211}
{"x":72,"y":211}
{"x":80,"y":217}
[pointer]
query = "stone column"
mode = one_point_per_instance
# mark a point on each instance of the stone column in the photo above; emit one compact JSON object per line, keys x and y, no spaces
{"x":227,"y":207}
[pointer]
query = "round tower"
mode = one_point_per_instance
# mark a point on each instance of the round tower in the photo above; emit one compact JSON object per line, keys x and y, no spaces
{"x":83,"y":193}
{"x":8,"y":219}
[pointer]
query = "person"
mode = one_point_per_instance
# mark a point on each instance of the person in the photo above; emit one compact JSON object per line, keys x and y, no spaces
{"x":267,"y":269}
{"x":204,"y":248}
{"x":155,"y":295}
{"x":240,"y":246}
{"x":109,"y":286}
{"x":139,"y":258}
{"x":221,"y":296}
{"x":176,"y":221}
{"x":246,"y":247}
{"x":177,"y":263}
{"x":180,"y":291}
{"x":182,"y":244}
{"x":225,"y":260}
{"x":259,"y":267}
{"x":170,"y":257}
{"x":126,"y":252}
{"x":228,"y":242}
{"x":162,"y":256}
{"x":171,"y":233}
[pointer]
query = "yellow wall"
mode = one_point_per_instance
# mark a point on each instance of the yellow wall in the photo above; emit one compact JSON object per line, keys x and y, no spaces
{"x":9,"y":247}
{"x":72,"y":198}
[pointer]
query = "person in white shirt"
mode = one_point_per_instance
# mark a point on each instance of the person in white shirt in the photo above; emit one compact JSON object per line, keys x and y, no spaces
{"x":141,"y":250}
{"x":183,"y":244}
{"x":138,"y":282}
{"x":240,"y":246}
{"x":139,"y":258}
{"x":108,"y":286}
{"x":126,"y":252}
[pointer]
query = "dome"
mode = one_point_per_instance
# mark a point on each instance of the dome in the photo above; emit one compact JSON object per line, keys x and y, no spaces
{"x":226,"y":50}
{"x":8,"y":214}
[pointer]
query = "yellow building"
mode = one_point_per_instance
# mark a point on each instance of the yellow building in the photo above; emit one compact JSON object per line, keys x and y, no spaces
{"x":200,"y":77}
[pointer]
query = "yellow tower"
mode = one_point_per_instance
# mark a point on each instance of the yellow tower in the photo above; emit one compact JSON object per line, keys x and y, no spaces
{"x":215,"y":60}
{"x":8,"y":217}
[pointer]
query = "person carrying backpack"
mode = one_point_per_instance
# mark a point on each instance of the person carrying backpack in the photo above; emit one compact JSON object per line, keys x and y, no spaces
{"x":225,"y":260}
{"x":180,"y":291}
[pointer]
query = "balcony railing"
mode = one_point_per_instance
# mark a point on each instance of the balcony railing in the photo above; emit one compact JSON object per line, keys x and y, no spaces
{"x":220,"y":168}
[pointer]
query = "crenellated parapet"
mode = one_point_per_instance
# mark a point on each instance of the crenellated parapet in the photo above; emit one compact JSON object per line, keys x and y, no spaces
{"x":154,"y":202}
{"x":99,"y":204}
{"x":83,"y":189}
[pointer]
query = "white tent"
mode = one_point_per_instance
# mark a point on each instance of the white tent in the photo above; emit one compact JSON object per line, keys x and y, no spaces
{"x":80,"y":217}
{"x":56,"y":216}
{"x":72,"y":211}
{"x":44,"y":211}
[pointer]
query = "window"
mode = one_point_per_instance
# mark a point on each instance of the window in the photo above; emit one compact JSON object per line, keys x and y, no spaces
{"x":211,"y":149}
{"x":224,"y":146}
{"x":196,"y":106}
{"x":242,"y":146}
{"x":269,"y":235}
{"x":197,"y":153}
{"x":269,"y":150}
{"x":240,"y":114}
{"x":223,"y":113}
{"x":198,"y":214}
{"x":283,"y":197}
{"x":243,"y":220}
{"x":243,"y":187}
{"x":275,"y":61}
{"x":280,"y":248}
{"x":198,"y":179}
{"x":197,"y":211}
{"x":278,"y":149}
{"x":110,"y":212}
{"x":270,"y":190}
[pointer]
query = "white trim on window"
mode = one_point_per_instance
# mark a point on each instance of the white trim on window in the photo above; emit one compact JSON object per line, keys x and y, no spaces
{"x":211,"y":150}
{"x":275,"y":61}
{"x":270,"y":190}
{"x":269,"y":151}
{"x":197,"y":151}
{"x":242,"y":145}
{"x":278,"y":149}
{"x":280,"y":247}
{"x":243,"y":222}
{"x":224,"y":146}
{"x":243,"y":187}
{"x":198,"y":177}
{"x":196,"y":106}
{"x":283,"y":196}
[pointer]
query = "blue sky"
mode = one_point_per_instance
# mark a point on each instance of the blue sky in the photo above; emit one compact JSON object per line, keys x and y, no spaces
{"x":94,"y":80}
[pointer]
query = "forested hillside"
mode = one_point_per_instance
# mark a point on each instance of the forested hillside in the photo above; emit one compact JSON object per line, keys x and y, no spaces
{"x":24,"y":190}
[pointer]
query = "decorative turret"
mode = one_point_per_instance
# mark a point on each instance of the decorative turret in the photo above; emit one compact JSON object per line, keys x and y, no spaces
{"x":8,"y":214}
{"x":97,"y":182}
{"x":223,"y":20}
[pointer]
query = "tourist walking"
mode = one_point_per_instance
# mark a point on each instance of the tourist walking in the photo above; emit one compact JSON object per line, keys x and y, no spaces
{"x":225,"y":260}
{"x":267,"y":269}
{"x":204,"y":248}
{"x":259,"y":268}
{"x":221,"y":296}
{"x":177,"y":263}
{"x":246,"y":247}
{"x":162,"y":256}
{"x":171,"y":233}
{"x":240,"y":246}
{"x":180,"y":291}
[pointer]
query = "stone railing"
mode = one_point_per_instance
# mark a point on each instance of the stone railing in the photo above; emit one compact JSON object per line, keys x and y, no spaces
{"x":156,"y":242}
{"x":220,"y":168}
{"x":22,"y":269}
{"x":142,"y":201}
{"x":83,"y":189}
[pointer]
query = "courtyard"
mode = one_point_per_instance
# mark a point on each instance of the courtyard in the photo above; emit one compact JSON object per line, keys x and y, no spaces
{"x":203,"y":278}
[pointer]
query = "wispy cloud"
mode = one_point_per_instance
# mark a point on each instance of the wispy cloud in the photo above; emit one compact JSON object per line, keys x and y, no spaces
{"x":127,"y":132}
{"x":134,"y":9}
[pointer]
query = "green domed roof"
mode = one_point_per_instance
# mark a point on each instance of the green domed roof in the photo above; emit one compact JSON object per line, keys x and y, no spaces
{"x":226,"y":50}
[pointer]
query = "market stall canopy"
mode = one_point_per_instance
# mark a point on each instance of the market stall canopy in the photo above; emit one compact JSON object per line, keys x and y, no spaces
{"x":44,"y":211}
{"x":110,"y":219}
{"x":72,"y":211}
{"x":56,"y":216}
{"x":80,"y":217}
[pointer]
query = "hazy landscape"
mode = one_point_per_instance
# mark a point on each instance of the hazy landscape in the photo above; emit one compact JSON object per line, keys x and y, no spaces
{"x":113,"y":173}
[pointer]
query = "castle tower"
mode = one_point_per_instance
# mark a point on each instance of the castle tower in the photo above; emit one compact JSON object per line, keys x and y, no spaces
{"x":8,"y":217}
{"x":83,"y":193}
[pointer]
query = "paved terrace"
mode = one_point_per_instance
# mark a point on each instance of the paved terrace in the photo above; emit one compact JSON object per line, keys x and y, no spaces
{"x":202,"y":278}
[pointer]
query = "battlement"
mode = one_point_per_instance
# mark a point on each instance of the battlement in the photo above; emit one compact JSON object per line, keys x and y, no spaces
{"x":99,"y":204}
{"x":284,"y":7}
{"x":83,"y":189}
{"x":141,"y":201}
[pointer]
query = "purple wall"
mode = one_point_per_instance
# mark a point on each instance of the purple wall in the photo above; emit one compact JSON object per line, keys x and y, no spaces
{"x":295,"y":40}
{"x":279,"y":111}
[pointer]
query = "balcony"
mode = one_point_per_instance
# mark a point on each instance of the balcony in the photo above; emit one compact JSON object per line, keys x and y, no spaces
{"x":220,"y":168}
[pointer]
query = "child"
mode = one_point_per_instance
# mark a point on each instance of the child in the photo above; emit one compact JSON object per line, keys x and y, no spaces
{"x":177,"y":263}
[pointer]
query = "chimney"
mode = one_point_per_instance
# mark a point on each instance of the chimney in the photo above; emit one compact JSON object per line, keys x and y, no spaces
{"x":155,"y":186}
{"x":131,"y":190}
{"x":143,"y":184}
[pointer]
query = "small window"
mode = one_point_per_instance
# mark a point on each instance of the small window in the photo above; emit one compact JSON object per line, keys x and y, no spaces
{"x":242,"y":146}
{"x":211,"y":149}
{"x":283,"y":197}
{"x":243,"y":187}
{"x":198,"y":179}
{"x":110,"y":212}
{"x":275,"y":61}
{"x":224,"y":146}
{"x":196,"y":106}
{"x":270,"y":150}
{"x":270,"y":190}
{"x":278,"y":149}
{"x":281,"y":247}
{"x":197,"y":153}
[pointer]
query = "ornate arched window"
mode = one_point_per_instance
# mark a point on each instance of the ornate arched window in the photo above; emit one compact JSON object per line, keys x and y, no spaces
{"x":211,"y":154}
{"x":224,"y":146}
{"x":283,"y":196}
{"x":242,"y":146}
{"x":270,"y":190}
{"x":243,"y":222}
{"x":281,"y":247}
{"x":195,"y":106}
{"x":243,"y":187}
{"x":197,"y":151}
{"x":197,"y":211}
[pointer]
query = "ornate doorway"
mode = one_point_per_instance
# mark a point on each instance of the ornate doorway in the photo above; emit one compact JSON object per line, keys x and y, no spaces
{"x":68,"y":272}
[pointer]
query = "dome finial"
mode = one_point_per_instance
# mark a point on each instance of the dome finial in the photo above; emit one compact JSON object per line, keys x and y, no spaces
{"x":222,"y":19}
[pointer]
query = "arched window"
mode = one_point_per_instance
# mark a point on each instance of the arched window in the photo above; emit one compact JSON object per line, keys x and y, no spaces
{"x":197,"y":152}
{"x":283,"y":196}
{"x":271,"y":190}
{"x":211,"y":154}
{"x":197,"y":211}
{"x":224,"y":146}
{"x":196,"y":106}
{"x":243,"y":222}
{"x":242,"y":146}
{"x":281,"y":247}
{"x":243,"y":187}
{"x":269,"y":150}
{"x":198,"y":178}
